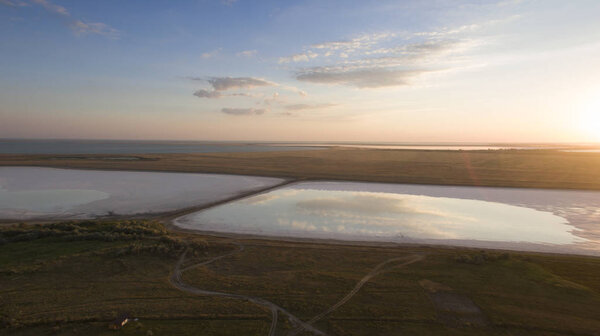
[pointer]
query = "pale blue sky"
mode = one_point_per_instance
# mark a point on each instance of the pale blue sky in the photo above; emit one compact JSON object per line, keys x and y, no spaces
{"x":502,"y":70}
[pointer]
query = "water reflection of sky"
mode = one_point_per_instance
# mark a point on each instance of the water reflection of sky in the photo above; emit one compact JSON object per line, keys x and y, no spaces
{"x":307,"y":212}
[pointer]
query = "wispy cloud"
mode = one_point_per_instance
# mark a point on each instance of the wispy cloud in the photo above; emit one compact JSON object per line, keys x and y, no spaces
{"x":273,"y":98}
{"x":219,"y":94}
{"x":81,"y":28}
{"x":415,"y":51}
{"x":243,"y":111}
{"x":247,"y":53}
{"x":368,"y":78}
{"x":208,"y":94}
{"x":53,"y":8}
{"x":222,"y":87}
{"x":389,"y":58}
{"x":373,"y":65}
{"x":294,"y":89}
{"x":342,"y":49}
{"x":220,"y":84}
{"x":304,"y":57}
{"x":211,"y":54}
{"x":302,"y":107}
{"x":14,"y":3}
{"x":362,"y":42}
{"x":449,"y":31}
{"x":227,"y":83}
{"x":467,"y":28}
{"x":78,"y":26}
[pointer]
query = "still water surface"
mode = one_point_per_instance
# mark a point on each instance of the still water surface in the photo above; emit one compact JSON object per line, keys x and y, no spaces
{"x":545,"y":220}
{"x":13,"y":146}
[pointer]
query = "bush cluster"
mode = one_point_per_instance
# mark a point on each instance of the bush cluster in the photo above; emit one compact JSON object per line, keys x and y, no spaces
{"x":166,"y":246}
{"x":87,"y":230}
{"x":147,"y":237}
{"x":480,"y":258}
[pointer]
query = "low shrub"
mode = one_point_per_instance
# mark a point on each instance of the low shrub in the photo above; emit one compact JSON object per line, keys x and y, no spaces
{"x":480,"y":257}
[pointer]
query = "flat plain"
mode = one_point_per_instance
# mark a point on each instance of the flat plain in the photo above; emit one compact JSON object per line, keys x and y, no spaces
{"x":72,"y":278}
{"x":499,"y":168}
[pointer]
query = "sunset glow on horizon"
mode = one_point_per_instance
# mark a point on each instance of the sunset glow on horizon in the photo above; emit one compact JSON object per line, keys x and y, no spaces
{"x":372,"y":71}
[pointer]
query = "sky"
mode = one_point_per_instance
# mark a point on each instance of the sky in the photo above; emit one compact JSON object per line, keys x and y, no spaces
{"x":370,"y":71}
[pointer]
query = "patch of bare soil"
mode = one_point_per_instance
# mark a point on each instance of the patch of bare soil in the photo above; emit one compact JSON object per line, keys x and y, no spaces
{"x":453,"y":309}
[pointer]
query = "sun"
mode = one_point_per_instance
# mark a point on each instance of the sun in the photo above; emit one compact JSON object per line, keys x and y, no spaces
{"x":590,"y":119}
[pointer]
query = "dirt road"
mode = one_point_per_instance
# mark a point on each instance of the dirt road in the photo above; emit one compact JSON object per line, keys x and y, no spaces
{"x":177,"y":281}
{"x":381,"y":268}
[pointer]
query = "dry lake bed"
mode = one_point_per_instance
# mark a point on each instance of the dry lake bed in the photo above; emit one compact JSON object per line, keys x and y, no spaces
{"x":36,"y":193}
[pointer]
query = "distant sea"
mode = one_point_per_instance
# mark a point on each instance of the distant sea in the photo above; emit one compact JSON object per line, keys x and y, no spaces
{"x":14,"y":146}
{"x":21,"y":146}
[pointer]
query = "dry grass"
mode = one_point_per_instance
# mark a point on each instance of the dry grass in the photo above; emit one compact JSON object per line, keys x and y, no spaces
{"x":509,"y":168}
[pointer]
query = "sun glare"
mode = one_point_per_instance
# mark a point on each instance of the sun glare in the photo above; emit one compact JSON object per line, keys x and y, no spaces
{"x":590,"y":119}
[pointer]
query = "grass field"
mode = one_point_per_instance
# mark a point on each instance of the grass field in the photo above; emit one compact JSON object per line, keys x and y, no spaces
{"x":506,"y":168}
{"x":74,"y":278}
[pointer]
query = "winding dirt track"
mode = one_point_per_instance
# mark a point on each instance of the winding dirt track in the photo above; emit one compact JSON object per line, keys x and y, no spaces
{"x":178,"y":283}
{"x":381,"y":268}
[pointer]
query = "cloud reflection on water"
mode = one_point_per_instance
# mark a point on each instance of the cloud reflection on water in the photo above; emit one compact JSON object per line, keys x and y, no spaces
{"x":306,"y":212}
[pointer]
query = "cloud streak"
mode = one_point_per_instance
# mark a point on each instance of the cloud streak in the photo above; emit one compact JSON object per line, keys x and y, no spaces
{"x":211,"y":54}
{"x":342,"y":49}
{"x":14,"y":3}
{"x":78,"y":27}
{"x":304,"y":57}
{"x":397,"y":67}
{"x":208,"y":94}
{"x":218,"y":94}
{"x":221,"y":84}
{"x":302,"y":107}
{"x":53,"y":8}
{"x":368,"y":78}
{"x":227,"y":83}
{"x":81,"y":28}
{"x":247,"y":53}
{"x":243,"y":111}
{"x":362,"y":42}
